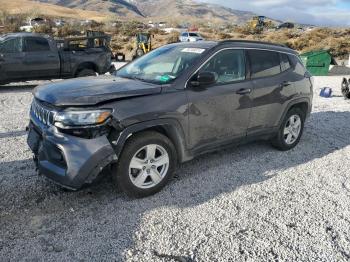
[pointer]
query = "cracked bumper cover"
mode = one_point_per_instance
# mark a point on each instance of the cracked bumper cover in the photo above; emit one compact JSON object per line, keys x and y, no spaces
{"x":68,"y":160}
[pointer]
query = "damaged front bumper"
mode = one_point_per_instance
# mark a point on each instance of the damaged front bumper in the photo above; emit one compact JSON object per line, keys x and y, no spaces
{"x":68,"y":160}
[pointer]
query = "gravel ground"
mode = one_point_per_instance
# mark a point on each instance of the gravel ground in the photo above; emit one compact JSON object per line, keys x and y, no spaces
{"x":249,"y":203}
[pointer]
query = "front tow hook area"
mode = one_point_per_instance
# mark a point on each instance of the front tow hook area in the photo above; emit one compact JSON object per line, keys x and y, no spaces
{"x":72,"y":161}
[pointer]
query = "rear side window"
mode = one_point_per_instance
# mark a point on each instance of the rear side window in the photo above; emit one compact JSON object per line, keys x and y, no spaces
{"x":229,"y":65}
{"x":33,"y":44}
{"x":297,"y":65}
{"x":264,"y":63}
{"x":193,"y":34}
{"x":11,"y":46}
{"x":285,"y":64}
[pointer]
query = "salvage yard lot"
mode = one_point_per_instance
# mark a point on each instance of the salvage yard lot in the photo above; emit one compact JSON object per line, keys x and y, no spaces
{"x":247,"y":203}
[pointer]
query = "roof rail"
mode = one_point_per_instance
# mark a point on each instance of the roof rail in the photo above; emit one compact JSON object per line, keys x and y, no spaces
{"x":251,"y":42}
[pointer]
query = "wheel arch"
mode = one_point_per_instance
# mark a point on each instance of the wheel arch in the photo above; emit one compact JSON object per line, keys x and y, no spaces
{"x":86,"y":65}
{"x":168,"y":127}
{"x":302,"y":103}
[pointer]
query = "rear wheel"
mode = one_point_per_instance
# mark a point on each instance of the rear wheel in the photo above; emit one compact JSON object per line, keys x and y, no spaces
{"x":145,"y":165}
{"x":290,"y":131}
{"x":86,"y":72}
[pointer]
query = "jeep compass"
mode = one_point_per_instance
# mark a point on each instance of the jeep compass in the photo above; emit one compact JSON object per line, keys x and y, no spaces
{"x":167,"y":107}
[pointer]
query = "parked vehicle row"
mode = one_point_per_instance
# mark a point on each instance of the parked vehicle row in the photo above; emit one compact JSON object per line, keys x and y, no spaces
{"x":167,"y":107}
{"x":28,"y":56}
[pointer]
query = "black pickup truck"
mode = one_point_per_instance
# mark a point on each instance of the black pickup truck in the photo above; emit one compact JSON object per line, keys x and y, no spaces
{"x":28,"y":56}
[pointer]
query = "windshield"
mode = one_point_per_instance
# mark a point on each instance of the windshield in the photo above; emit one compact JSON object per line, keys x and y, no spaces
{"x":162,"y":65}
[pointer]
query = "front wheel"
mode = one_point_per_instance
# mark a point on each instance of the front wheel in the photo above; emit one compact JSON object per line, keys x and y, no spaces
{"x":145,"y":165}
{"x":139,"y":52}
{"x":290,"y":131}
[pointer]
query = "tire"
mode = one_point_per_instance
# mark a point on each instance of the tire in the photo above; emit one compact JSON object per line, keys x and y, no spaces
{"x":288,"y":136}
{"x":139,"y":52}
{"x":345,"y":88}
{"x":136,"y":149}
{"x":86,"y":72}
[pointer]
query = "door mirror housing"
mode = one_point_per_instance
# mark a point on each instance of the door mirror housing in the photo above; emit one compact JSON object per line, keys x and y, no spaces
{"x":205,"y":78}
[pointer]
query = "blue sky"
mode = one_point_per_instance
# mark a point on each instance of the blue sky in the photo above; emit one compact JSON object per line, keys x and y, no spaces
{"x":318,"y":12}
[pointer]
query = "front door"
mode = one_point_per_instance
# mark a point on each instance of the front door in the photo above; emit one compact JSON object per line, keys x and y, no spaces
{"x":220,"y":112}
{"x":11,"y":60}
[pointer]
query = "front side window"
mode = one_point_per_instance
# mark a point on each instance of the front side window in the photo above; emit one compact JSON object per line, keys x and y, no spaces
{"x":264,"y":63}
{"x":11,"y":46}
{"x":163,"y":65}
{"x":229,"y":65}
{"x":33,"y":44}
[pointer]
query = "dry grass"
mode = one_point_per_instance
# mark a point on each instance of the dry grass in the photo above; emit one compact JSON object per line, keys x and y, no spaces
{"x":337,"y":41}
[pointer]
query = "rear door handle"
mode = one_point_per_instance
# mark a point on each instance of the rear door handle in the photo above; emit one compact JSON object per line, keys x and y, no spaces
{"x":244,"y":91}
{"x":285,"y":83}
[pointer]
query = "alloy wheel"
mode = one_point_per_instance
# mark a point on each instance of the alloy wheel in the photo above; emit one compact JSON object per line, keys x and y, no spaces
{"x":148,"y":166}
{"x":292,"y":129}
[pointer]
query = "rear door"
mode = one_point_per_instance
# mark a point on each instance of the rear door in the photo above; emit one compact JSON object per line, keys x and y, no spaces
{"x":220,"y":112}
{"x":11,"y":59}
{"x":41,"y":59}
{"x":272,"y":88}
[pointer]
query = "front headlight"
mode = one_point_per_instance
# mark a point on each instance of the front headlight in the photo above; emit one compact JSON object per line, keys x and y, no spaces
{"x":81,"y":118}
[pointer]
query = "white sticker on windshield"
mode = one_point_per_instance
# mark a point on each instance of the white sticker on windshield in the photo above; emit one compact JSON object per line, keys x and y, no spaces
{"x":193,"y":50}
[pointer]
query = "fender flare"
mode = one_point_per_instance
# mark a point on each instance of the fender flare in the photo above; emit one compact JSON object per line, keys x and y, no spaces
{"x":291,"y":104}
{"x":173,"y":130}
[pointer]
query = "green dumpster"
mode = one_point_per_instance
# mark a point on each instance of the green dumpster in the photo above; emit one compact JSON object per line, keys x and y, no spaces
{"x":318,"y":62}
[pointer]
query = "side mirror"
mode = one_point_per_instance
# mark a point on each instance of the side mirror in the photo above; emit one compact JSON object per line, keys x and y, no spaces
{"x":205,"y":78}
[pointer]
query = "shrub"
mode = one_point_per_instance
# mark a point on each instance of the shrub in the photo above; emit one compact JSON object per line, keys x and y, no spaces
{"x":223,"y":36}
{"x":43,"y":29}
{"x":173,"y":37}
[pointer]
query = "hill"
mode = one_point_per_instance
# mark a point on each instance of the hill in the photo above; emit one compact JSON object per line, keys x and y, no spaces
{"x":186,"y":10}
{"x":118,"y":7}
{"x":25,"y":7}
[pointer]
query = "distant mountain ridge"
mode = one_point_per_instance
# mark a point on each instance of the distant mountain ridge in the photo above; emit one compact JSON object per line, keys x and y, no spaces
{"x":174,"y":9}
{"x":119,"y":7}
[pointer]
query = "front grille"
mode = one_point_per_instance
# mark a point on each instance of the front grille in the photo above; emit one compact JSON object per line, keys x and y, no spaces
{"x":43,"y":114}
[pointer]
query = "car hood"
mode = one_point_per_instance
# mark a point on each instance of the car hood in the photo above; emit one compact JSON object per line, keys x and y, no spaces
{"x":92,"y":90}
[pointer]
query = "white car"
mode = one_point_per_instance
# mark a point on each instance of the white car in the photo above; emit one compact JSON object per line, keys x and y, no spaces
{"x":26,"y":28}
{"x":190,"y":37}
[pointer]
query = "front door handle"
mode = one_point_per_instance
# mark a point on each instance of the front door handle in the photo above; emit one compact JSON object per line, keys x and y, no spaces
{"x":244,"y":91}
{"x":285,"y":83}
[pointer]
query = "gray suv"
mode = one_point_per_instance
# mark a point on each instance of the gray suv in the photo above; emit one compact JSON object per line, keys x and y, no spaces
{"x":165,"y":108}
